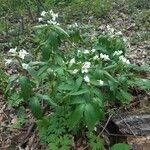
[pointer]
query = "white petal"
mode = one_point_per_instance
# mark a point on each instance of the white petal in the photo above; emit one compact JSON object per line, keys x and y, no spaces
{"x":93,"y":50}
{"x":75,"y":71}
{"x":86,"y":79}
{"x":8,"y":61}
{"x":25,"y":66}
{"x":13,"y":50}
{"x":100,"y":82}
{"x":86,"y":52}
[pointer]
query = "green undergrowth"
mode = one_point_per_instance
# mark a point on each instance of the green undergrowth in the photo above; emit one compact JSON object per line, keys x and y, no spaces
{"x":70,"y":85}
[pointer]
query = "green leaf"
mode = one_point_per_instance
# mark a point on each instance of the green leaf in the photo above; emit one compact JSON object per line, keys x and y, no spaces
{"x":75,"y":36}
{"x":35,"y":107}
{"x":47,"y":99}
{"x":59,"y":60}
{"x":76,"y":115}
{"x":95,"y":142}
{"x":120,"y":146}
{"x":60,"y":31}
{"x":77,"y":100}
{"x":42,"y":70}
{"x":143,"y":84}
{"x":14,"y":100}
{"x":78,"y":83}
{"x":26,"y":88}
{"x":124,"y":96}
{"x":81,"y":92}
{"x":91,"y":115}
{"x":65,"y":87}
{"x":11,"y":80}
{"x":32,"y":72}
{"x":108,"y":76}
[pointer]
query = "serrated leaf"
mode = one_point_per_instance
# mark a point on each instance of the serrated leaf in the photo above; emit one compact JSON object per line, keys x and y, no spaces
{"x":78,"y":83}
{"x":26,"y":88}
{"x":35,"y":108}
{"x":91,"y":115}
{"x":75,"y":36}
{"x":126,"y":95}
{"x":42,"y":70}
{"x":143,"y":84}
{"x":82,"y":91}
{"x":65,"y":87}
{"x":60,"y":31}
{"x":47,"y":99}
{"x":11,"y":81}
{"x":32,"y":72}
{"x":76,"y":116}
{"x":77,"y":100}
{"x":120,"y":146}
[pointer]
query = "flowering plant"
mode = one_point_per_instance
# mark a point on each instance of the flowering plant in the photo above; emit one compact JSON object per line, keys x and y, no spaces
{"x":75,"y":83}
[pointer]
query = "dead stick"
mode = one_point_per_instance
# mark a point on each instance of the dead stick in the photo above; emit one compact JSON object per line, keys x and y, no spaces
{"x":105,"y":125}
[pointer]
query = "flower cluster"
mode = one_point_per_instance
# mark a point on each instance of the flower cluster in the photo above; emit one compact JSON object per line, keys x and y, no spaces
{"x":117,"y":53}
{"x":53,"y":16}
{"x":85,"y":67}
{"x":104,"y":57}
{"x":20,"y":54}
{"x":124,"y":60}
{"x":75,"y":25}
{"x":111,"y":32}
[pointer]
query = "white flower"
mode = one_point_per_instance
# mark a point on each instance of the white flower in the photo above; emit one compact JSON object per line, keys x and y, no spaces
{"x":13,"y":50}
{"x":93,"y":50}
{"x":124,"y":60}
{"x":95,"y":129}
{"x":23,"y":53}
{"x":85,"y":67}
{"x":75,"y":71}
{"x":95,"y":57}
{"x":125,"y":39}
{"x":119,"y":33}
{"x":43,"y":13}
{"x":51,"y":12}
{"x":104,"y":57}
{"x":72,"y":61}
{"x":73,"y":25}
{"x":79,"y":51}
{"x":86,"y":52}
{"x":25,"y":66}
{"x":110,"y":29}
{"x":52,"y":22}
{"x":100,"y":82}
{"x":84,"y":70}
{"x":40,"y":19}
{"x":54,"y":16}
{"x":86,"y":79}
{"x":117,"y":53}
{"x":8,"y":61}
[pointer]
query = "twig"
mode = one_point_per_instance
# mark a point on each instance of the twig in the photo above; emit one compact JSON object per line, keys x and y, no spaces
{"x":31,"y":128}
{"x":125,"y":135}
{"x":105,"y":125}
{"x":85,"y":147}
{"x":127,"y":125}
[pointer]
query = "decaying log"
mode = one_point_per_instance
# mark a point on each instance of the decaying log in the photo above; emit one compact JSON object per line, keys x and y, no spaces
{"x":133,"y":124}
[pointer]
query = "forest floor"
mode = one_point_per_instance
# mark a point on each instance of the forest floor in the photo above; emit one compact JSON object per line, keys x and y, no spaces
{"x":13,"y":137}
